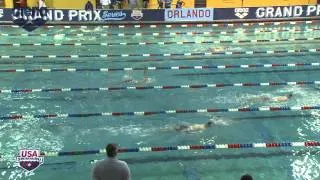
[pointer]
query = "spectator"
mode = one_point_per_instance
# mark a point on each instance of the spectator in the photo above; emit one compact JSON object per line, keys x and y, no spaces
{"x":133,"y":4}
{"x":179,"y":4}
{"x":23,"y":3}
{"x":246,"y":177}
{"x":89,"y":6}
{"x":167,"y":3}
{"x":42,"y":4}
{"x":145,"y":4}
{"x":112,"y":4}
{"x":120,"y":3}
{"x":111,"y":168}
{"x":160,"y":3}
{"x":105,"y":3}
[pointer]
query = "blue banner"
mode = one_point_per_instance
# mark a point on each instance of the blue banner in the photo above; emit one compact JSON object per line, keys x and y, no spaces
{"x":267,"y":12}
{"x":199,"y":14}
{"x":82,"y":15}
{"x":169,"y":15}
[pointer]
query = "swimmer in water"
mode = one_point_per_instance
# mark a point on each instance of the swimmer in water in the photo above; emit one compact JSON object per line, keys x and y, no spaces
{"x":194,"y":127}
{"x":274,"y":99}
{"x":223,"y":49}
{"x":217,"y":49}
{"x":129,"y":79}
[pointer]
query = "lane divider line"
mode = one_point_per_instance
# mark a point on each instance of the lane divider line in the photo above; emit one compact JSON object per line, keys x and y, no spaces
{"x":156,"y":34}
{"x":208,"y":54}
{"x":237,"y":146}
{"x":162,"y":43}
{"x":154,"y":68}
{"x":150,"y":113}
{"x":198,"y":25}
{"x":160,"y":87}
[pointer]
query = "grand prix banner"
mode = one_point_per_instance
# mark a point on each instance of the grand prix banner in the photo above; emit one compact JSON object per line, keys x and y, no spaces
{"x":267,"y":12}
{"x":81,"y":15}
{"x":168,"y":15}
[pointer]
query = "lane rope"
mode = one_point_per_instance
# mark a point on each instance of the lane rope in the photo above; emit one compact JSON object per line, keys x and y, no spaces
{"x":149,"y":113}
{"x":162,"y":87}
{"x":154,"y":68}
{"x":155,"y":34}
{"x":228,"y":53}
{"x":182,"y":25}
{"x":238,"y":146}
{"x":163,"y":43}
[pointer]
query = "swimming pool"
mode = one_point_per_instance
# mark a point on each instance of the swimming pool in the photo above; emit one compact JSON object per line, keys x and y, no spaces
{"x":59,"y":58}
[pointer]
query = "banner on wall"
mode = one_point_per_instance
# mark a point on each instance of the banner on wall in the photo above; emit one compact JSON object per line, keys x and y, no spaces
{"x":267,"y":12}
{"x":82,"y":15}
{"x":199,"y":14}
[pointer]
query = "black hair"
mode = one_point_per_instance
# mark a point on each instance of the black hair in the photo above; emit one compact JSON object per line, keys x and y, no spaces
{"x":246,"y":177}
{"x":290,"y":95}
{"x":210,"y":123}
{"x":111,"y":150}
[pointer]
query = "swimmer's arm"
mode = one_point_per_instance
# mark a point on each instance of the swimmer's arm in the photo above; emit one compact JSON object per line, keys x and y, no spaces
{"x":167,"y":129}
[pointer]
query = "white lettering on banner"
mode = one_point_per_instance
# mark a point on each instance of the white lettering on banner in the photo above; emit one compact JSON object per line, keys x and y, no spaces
{"x":113,"y":15}
{"x":201,"y":14}
{"x":313,"y":10}
{"x":72,"y":14}
{"x":279,"y":12}
{"x":58,"y":15}
{"x":1,"y":13}
{"x":84,"y":16}
{"x":97,"y":16}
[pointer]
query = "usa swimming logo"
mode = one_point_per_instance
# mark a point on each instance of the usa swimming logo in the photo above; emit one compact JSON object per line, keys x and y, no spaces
{"x":30,"y":159}
{"x":241,"y":12}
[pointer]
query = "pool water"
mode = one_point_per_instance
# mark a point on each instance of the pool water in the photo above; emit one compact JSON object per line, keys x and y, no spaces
{"x":69,"y":134}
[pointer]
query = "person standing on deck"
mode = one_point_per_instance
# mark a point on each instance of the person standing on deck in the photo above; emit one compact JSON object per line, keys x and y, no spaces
{"x":111,"y":168}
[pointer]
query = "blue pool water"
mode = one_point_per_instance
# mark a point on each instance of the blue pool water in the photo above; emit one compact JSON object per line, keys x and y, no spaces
{"x":69,"y":134}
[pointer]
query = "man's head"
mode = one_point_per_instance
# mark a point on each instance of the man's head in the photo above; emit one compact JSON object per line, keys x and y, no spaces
{"x":246,"y":177}
{"x":112,"y":150}
{"x":210,"y":123}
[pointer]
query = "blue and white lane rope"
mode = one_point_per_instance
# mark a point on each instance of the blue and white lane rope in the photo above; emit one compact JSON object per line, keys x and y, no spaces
{"x":208,"y":54}
{"x":156,"y":34}
{"x":237,"y":146}
{"x":154,"y":68}
{"x":163,"y":43}
{"x":199,"y":25}
{"x":162,"y":87}
{"x":149,"y":113}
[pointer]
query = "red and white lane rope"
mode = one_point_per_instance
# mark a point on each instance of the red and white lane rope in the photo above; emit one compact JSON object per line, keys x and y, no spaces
{"x":173,"y":111}
{"x":155,"y":34}
{"x":237,"y":146}
{"x":209,"y":54}
{"x":199,"y":25}
{"x":154,"y":68}
{"x":162,"y":43}
{"x":162,"y":87}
